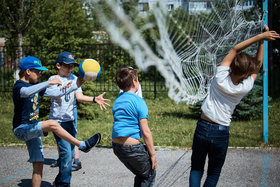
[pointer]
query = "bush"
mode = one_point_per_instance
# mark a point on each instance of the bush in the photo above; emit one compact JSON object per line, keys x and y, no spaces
{"x":250,"y":107}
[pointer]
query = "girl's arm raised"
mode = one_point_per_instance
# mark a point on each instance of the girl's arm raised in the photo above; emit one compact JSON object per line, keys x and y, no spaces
{"x":268,"y":35}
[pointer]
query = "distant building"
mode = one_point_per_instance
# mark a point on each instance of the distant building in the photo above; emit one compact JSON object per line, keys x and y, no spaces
{"x":247,"y":4}
{"x":170,"y":4}
{"x":192,"y":6}
{"x":143,"y":6}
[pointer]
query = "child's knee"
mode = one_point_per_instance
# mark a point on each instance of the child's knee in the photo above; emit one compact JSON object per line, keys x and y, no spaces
{"x":51,"y":125}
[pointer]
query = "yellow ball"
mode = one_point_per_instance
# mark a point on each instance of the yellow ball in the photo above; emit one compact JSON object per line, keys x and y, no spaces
{"x":89,"y":70}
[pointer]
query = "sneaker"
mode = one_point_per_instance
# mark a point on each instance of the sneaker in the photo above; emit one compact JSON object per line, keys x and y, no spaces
{"x":55,"y":163}
{"x":91,"y":142}
{"x":76,"y":166}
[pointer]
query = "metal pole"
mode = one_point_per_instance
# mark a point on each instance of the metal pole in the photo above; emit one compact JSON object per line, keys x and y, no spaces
{"x":265,"y":77}
{"x":155,"y":83}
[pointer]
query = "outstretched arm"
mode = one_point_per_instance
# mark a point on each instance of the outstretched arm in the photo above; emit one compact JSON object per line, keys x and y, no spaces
{"x":259,"y":56}
{"x":56,"y":90}
{"x":148,"y":138}
{"x":268,"y":35}
{"x":28,"y":91}
{"x":99,"y":99}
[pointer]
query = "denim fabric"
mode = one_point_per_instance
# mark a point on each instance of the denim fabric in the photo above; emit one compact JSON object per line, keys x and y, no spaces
{"x":31,"y":134}
{"x":35,"y":150}
{"x":137,"y":159}
{"x":211,"y":140}
{"x":27,"y":132}
{"x":66,"y":151}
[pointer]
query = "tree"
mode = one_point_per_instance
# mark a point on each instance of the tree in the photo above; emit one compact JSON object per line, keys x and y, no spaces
{"x":16,"y":16}
{"x":61,"y":26}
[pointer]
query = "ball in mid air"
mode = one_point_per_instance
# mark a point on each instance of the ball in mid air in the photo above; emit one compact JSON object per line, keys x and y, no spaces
{"x":89,"y":70}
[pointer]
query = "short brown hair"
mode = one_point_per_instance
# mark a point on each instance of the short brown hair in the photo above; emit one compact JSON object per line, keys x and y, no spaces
{"x":21,"y":73}
{"x":125,"y":76}
{"x":243,"y":64}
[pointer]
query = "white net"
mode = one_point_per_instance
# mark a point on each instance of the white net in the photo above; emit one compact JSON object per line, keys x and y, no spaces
{"x":185,"y":48}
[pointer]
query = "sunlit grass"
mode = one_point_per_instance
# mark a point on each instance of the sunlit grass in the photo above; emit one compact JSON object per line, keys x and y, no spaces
{"x":171,"y":124}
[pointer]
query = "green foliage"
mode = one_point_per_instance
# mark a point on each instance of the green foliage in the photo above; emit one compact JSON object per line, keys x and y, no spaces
{"x":171,"y":125}
{"x":60,"y":26}
{"x":87,"y":110}
{"x":196,"y":108}
{"x":6,"y":79}
{"x":250,"y":107}
{"x":130,"y":8}
{"x":16,"y":16}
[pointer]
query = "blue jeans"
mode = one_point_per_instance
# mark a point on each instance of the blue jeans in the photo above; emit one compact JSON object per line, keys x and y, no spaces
{"x":66,"y":154}
{"x":211,"y":140}
{"x":31,"y":134}
{"x":137,"y":159}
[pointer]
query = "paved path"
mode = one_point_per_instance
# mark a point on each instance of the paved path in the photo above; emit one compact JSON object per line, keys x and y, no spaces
{"x":101,"y":168}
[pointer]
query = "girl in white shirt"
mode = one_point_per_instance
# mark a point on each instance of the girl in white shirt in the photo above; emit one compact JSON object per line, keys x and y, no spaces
{"x":233,"y":80}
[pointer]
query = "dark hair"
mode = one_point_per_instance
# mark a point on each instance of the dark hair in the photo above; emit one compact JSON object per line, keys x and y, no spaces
{"x":243,"y":64}
{"x":21,"y":73}
{"x":125,"y":76}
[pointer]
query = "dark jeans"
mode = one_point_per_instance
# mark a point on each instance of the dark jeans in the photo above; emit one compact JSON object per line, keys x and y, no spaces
{"x":211,"y":140}
{"x":137,"y":159}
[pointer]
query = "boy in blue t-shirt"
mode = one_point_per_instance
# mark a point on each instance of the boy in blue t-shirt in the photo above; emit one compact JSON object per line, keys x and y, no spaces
{"x":26,"y":127}
{"x":130,"y":124}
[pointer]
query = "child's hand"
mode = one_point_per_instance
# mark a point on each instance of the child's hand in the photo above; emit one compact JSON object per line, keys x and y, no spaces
{"x":265,"y":28}
{"x":54,"y":81}
{"x":67,"y":85}
{"x":269,"y":35}
{"x":154,"y":161}
{"x":101,"y":101}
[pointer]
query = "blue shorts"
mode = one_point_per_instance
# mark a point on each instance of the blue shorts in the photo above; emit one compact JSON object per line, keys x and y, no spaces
{"x":31,"y":134}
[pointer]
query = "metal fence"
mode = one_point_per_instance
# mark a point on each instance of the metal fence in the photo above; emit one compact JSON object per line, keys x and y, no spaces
{"x":109,"y":56}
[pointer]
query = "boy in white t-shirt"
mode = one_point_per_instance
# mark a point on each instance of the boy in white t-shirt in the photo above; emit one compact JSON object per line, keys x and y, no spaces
{"x":233,"y":80}
{"x":62,"y":110}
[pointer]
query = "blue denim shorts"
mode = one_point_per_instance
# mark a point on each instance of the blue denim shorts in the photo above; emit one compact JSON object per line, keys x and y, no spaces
{"x":31,"y":134}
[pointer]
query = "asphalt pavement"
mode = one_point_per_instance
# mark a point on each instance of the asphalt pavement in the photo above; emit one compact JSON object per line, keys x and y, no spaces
{"x":101,"y":168}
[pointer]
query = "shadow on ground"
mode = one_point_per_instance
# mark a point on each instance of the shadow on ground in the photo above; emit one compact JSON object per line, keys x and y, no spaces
{"x":49,"y":161}
{"x":28,"y":183}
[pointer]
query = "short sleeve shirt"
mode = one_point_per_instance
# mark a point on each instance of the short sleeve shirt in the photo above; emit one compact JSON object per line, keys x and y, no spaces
{"x":223,"y":96}
{"x":128,"y":109}
{"x":62,"y":108}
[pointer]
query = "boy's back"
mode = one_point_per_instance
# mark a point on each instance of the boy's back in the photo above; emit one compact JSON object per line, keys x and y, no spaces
{"x":128,"y":108}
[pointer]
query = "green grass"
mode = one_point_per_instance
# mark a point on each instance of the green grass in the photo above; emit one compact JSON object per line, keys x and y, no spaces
{"x":171,"y":124}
